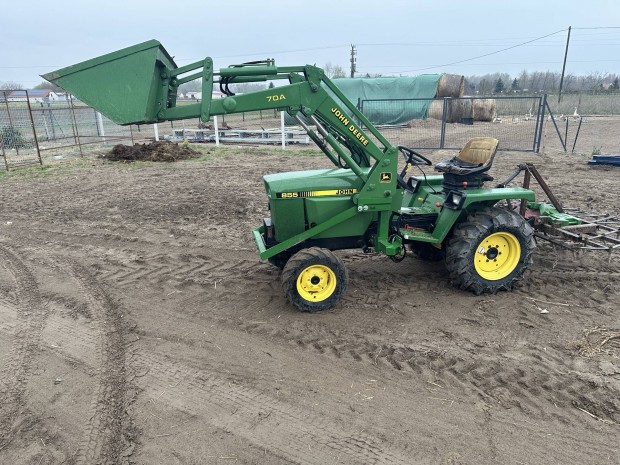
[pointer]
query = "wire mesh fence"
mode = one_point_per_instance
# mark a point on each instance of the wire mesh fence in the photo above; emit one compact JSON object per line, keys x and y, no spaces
{"x":450,"y":122}
{"x":34,"y":130}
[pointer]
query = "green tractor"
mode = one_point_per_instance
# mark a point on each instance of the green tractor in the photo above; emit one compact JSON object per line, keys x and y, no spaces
{"x":363,"y":202}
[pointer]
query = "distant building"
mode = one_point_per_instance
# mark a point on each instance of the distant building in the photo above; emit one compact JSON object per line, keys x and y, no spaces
{"x":37,"y":96}
{"x":57,"y":97}
{"x":34,"y":95}
{"x":191,"y":95}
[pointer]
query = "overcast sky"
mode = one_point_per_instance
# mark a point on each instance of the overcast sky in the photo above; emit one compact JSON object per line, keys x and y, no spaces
{"x":392,"y":36}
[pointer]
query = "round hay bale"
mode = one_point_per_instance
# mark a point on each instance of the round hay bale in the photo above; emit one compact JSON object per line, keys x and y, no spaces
{"x":451,"y":85}
{"x":485,"y":109}
{"x":435,"y":110}
{"x":459,"y":110}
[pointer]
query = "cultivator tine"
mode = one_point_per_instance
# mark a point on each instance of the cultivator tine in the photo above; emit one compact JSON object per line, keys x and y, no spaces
{"x":596,"y":232}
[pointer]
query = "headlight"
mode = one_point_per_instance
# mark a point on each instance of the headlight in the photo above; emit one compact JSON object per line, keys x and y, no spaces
{"x":455,"y":200}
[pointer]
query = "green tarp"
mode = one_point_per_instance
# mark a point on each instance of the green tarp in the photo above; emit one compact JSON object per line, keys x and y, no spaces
{"x":388,"y":100}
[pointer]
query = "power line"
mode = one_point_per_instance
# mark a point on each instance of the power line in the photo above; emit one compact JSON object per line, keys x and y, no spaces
{"x":486,"y":54}
{"x":374,"y":68}
{"x":598,"y":27}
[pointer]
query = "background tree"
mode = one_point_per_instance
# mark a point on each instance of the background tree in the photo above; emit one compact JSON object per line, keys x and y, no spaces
{"x":485,"y":86}
{"x":191,"y":86}
{"x":499,"y":86}
{"x":50,"y":86}
{"x":246,"y":87}
{"x":11,"y":85}
{"x":334,"y":71}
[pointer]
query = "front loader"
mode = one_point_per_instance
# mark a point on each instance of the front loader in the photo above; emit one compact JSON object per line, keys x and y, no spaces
{"x":362,"y":202}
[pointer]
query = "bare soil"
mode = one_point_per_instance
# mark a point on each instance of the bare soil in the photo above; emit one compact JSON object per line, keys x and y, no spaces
{"x":137,"y":325}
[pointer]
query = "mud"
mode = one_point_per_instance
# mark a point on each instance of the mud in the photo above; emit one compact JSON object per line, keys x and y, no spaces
{"x":137,"y":325}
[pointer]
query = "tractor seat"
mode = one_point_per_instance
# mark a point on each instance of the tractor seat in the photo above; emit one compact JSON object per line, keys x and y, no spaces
{"x":469,"y":167}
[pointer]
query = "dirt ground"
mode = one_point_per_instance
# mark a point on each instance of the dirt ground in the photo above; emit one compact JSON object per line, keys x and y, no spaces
{"x":137,"y":325}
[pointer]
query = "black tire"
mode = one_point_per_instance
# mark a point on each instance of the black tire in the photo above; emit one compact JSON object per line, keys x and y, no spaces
{"x":314,"y":279}
{"x":474,"y":252}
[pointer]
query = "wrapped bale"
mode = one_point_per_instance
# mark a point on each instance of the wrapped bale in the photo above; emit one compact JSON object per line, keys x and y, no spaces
{"x":460,"y":111}
{"x":435,"y":110}
{"x":485,"y":109}
{"x":450,"y":85}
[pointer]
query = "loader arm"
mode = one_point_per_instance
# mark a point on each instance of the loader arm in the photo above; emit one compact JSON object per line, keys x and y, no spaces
{"x":147,"y":76}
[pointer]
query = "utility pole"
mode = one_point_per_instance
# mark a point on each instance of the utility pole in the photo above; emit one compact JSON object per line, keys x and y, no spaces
{"x":564,"y":65}
{"x":353,"y":60}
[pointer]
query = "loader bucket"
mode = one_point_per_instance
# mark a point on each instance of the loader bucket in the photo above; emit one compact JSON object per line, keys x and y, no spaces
{"x":126,"y":86}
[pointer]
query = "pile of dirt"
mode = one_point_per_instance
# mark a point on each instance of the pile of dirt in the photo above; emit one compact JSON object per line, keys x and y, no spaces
{"x":155,"y":151}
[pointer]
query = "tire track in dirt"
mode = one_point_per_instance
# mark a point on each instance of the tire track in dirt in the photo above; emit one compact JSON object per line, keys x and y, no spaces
{"x":590,"y":289}
{"x":213,"y":398}
{"x":108,"y":436}
{"x":530,"y":382}
{"x":186,"y":268}
{"x":203,"y":269}
{"x":31,"y":313}
{"x":284,"y":429}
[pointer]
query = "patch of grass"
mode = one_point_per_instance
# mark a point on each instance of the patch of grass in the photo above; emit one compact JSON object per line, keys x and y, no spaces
{"x":209,"y":152}
{"x":28,"y":172}
{"x":596,"y":150}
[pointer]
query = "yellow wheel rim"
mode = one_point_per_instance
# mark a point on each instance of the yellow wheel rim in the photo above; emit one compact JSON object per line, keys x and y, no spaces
{"x":497,"y":256}
{"x":316,"y":283}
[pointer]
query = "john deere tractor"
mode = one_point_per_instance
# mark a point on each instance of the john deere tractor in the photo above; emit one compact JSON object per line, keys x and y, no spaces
{"x":363,"y":202}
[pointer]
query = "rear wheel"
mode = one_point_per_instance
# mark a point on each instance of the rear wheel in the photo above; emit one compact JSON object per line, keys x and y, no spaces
{"x":490,"y":251}
{"x":314,"y":279}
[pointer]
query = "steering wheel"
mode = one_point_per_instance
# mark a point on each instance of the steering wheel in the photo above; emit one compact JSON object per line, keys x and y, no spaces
{"x":412,"y":158}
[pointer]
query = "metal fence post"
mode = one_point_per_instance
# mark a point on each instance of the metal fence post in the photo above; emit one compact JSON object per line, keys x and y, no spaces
{"x":542,"y":121}
{"x":6,"y":163}
{"x":442,"y":140}
{"x":555,"y":125}
{"x":577,"y":135}
{"x":536,"y":126}
{"x":76,"y":133}
{"x":11,"y":126}
{"x":282,"y":127}
{"x":217,"y":132}
{"x":34,"y":130}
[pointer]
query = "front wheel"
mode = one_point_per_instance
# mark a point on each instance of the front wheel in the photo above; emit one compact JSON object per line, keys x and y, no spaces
{"x":490,"y":251}
{"x":314,"y":279}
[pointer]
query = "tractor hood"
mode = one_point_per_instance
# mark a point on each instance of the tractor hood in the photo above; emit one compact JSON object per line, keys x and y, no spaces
{"x":312,"y":183}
